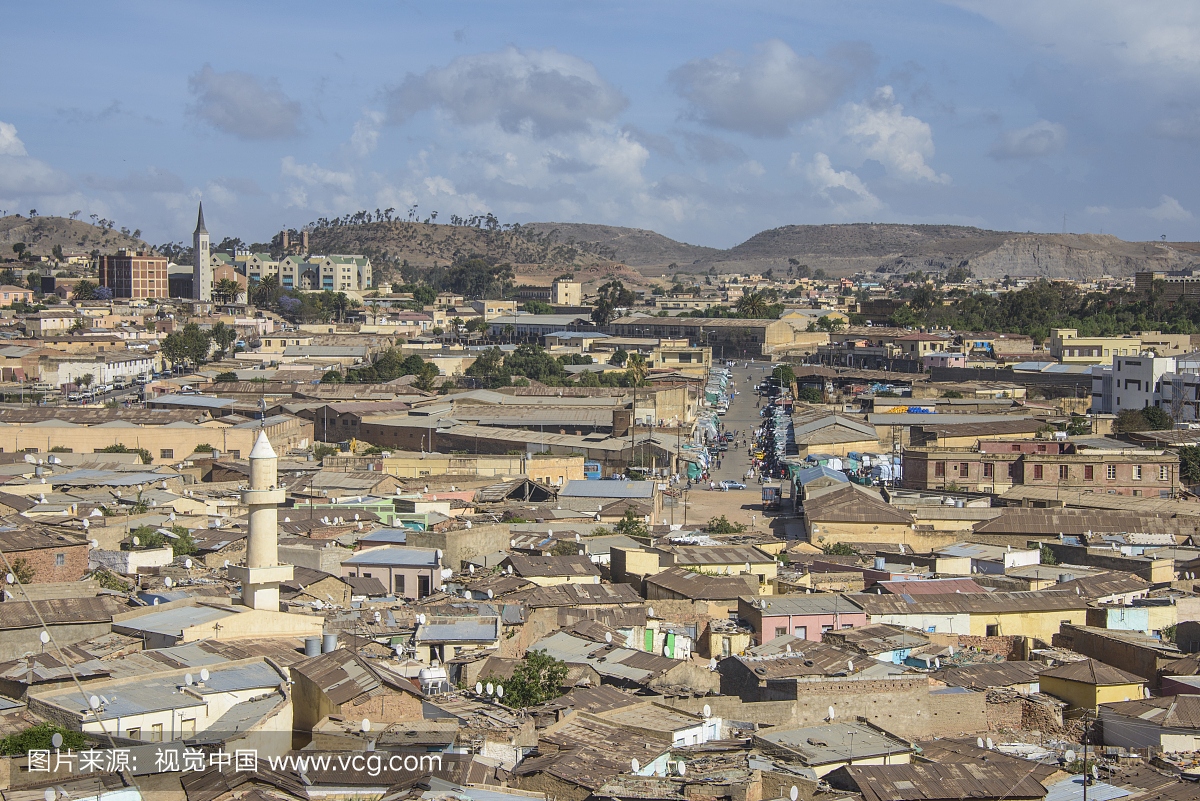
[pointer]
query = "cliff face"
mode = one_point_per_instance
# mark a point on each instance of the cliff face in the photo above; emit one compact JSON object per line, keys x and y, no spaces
{"x":1079,"y":257}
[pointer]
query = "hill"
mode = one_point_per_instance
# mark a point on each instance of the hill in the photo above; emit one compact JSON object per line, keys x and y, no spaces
{"x":872,"y":247}
{"x":42,"y":234}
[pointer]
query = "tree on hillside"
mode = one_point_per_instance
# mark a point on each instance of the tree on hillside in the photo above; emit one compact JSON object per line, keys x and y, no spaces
{"x":85,"y":290}
{"x":226,"y":290}
{"x":223,"y":336}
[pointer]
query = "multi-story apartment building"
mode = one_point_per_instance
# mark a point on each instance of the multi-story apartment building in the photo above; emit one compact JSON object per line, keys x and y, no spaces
{"x":134,"y":274}
{"x":995,"y":467}
{"x":335,"y":273}
{"x":1068,"y":347}
{"x":1131,"y":382}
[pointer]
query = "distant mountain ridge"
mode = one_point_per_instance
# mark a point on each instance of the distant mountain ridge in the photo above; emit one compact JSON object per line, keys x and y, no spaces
{"x":849,"y":248}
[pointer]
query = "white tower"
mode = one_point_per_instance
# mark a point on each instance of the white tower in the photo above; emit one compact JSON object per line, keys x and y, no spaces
{"x":202,"y":275}
{"x":262,"y":574}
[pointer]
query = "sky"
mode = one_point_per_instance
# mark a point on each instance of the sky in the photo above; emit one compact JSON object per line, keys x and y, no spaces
{"x":705,"y":121}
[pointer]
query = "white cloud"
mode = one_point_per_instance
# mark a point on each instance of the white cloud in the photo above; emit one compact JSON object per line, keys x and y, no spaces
{"x":1042,"y":138}
{"x":882,"y":131}
{"x":842,"y":188}
{"x":762,"y":95}
{"x":20,"y":173}
{"x":366,"y":133}
{"x":1151,"y":38}
{"x":315,"y":186}
{"x":1169,"y":210}
{"x":543,"y":91}
{"x":1098,"y":210}
{"x":244,"y":105}
{"x":10,"y":143}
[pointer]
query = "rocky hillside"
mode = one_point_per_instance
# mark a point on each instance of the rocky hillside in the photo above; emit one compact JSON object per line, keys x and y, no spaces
{"x":42,"y":234}
{"x":846,"y":249}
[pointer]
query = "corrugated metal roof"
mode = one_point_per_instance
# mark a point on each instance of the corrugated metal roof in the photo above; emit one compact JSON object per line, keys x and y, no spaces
{"x":933,"y":782}
{"x":608,"y":489}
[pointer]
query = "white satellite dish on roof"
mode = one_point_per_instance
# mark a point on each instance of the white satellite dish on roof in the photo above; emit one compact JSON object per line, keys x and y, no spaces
{"x":491,"y":595}
{"x":979,"y":742}
{"x":468,"y":524}
{"x":650,"y":612}
{"x":137,"y":540}
{"x":707,"y":711}
{"x":226,"y":563}
{"x":44,"y":637}
{"x":794,"y":793}
{"x":990,"y":745}
{"x":10,"y":578}
{"x":712,"y":663}
{"x":188,"y":679}
{"x":86,"y":524}
{"x":56,"y":740}
{"x":94,"y":543}
{"x":439,"y":554}
{"x":634,"y":765}
{"x":93,"y":702}
{"x":491,"y":688}
{"x":1069,"y":756}
{"x":187,"y":563}
{"x":366,"y":725}
{"x":832,"y":713}
{"x":479,"y":688}
{"x":499,"y":691}
{"x":204,"y":674}
{"x":49,"y":794}
{"x":471,"y":569}
{"x":167,"y":581}
{"x":510,"y":570}
{"x":608,"y":636}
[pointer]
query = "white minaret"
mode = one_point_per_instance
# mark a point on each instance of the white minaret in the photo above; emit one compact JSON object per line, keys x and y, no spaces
{"x":262,"y":574}
{"x":202,"y":275}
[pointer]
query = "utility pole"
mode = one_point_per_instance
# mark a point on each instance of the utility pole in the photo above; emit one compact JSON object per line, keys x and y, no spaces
{"x":1086,"y":775}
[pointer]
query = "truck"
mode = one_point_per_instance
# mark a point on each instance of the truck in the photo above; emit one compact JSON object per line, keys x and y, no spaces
{"x":770,"y":498}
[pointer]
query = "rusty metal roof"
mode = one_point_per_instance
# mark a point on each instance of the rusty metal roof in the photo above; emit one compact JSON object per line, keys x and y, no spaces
{"x":969,"y":603}
{"x":61,"y":611}
{"x":551,"y":566}
{"x":936,"y":782}
{"x":697,"y":586}
{"x":1089,"y":671}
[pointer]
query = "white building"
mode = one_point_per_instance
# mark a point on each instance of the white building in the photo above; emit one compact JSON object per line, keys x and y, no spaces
{"x":1131,"y":382}
{"x":202,"y":273}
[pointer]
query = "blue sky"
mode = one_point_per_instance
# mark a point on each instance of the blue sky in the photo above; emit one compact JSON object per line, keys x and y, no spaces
{"x":705,"y":121}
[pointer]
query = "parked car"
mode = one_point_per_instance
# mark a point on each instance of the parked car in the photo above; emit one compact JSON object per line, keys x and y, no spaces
{"x":732,"y":485}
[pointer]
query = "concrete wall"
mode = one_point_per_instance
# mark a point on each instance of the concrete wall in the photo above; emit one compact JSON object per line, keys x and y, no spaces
{"x":127,"y":562}
{"x":1128,"y":656}
{"x":459,"y":545}
{"x":15,"y":643}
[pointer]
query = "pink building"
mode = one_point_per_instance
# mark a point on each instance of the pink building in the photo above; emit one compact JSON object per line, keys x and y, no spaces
{"x":805,"y":616}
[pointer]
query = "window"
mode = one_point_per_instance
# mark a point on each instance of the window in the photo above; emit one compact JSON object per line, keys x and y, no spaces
{"x":60,"y":560}
{"x":963,"y":467}
{"x":399,"y":582}
{"x":1088,"y":472}
{"x":166,"y":453}
{"x":1064,"y":472}
{"x":1037,"y":472}
{"x":134,"y":733}
{"x":1163,"y":473}
{"x":156,"y":732}
{"x":1137,"y":472}
{"x":826,"y":628}
{"x":989,"y":470}
{"x":780,"y":631}
{"x":993,"y":631}
{"x":939,"y":469}
{"x":726,"y":647}
{"x":1012,"y":469}
{"x":1112,"y":472}
{"x":801,"y":632}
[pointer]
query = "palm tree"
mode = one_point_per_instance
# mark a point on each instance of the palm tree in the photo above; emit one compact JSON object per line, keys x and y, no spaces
{"x":752,"y":304}
{"x":227,"y":289}
{"x":340,"y":304}
{"x":636,"y":364}
{"x":266,"y":292}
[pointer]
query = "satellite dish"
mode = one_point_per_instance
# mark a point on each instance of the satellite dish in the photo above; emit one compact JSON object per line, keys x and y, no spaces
{"x":204,"y":674}
{"x":577,"y":536}
{"x":510,"y":570}
{"x":794,"y":793}
{"x":93,"y":702}
{"x":479,"y":688}
{"x":56,"y":740}
{"x":712,"y":663}
{"x":137,"y":540}
{"x":44,"y":637}
{"x":1095,"y":771}
{"x":226,"y":563}
{"x":707,"y":711}
{"x":156,"y":602}
{"x":491,"y":595}
{"x":979,"y":743}
{"x":167,"y":581}
{"x":356,"y":517}
{"x":94,"y":543}
{"x":650,"y":612}
{"x":832,"y":715}
{"x":447,"y":572}
{"x":471,"y":568}
{"x":10,"y":578}
{"x":549,"y":532}
{"x":468,"y":524}
{"x":989,"y":744}
{"x":439,"y":554}
{"x":366,"y":725}
{"x":491,"y":689}
{"x":188,"y":679}
{"x":86,"y":523}
{"x":682,"y":768}
{"x":850,"y":665}
{"x":499,"y":691}
{"x":421,"y":618}
{"x":187,"y":563}
{"x":49,"y":794}
{"x":1069,"y":756}
{"x":608,"y":636}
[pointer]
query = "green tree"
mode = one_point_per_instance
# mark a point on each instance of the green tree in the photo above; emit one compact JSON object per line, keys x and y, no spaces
{"x":538,"y":307}
{"x":226,"y":290}
{"x":40,"y":738}
{"x":637,"y":368}
{"x":1189,"y":465}
{"x":183,"y":544}
{"x":142,"y":452}
{"x":1157,"y":418}
{"x":266,"y":292}
{"x":147,"y":537}
{"x":223,"y":336}
{"x":78,"y":326}
{"x":838,"y":549}
{"x":85,"y":290}
{"x":23,"y":570}
{"x":631,"y":525}
{"x":1130,"y":420}
{"x":721,"y":525}
{"x":538,"y":679}
{"x":619,"y":357}
{"x":752,"y":304}
{"x":228,"y":376}
{"x":85,"y":380}
{"x":1048,"y":557}
{"x":809,"y":395}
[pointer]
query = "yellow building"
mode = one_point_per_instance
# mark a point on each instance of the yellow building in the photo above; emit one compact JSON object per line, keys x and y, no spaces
{"x":1087,"y":684}
{"x":687,"y":360}
{"x":551,"y":470}
{"x":1068,"y":347}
